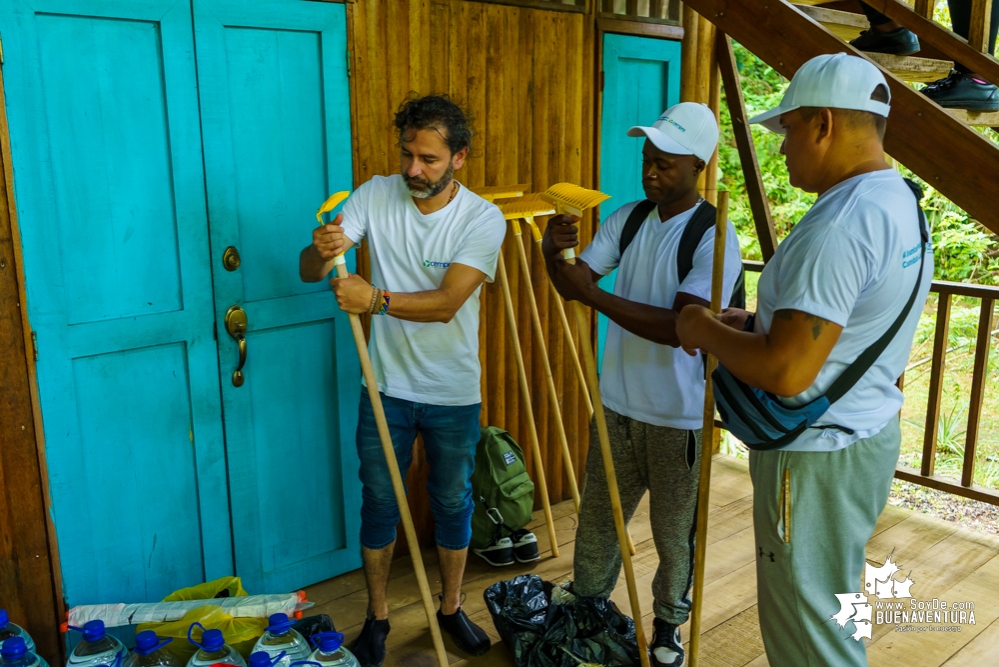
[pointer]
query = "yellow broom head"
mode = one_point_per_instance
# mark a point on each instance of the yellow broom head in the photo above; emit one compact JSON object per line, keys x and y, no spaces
{"x":493,"y":192}
{"x":525,"y":208}
{"x":573,"y":199}
{"x":330,"y":204}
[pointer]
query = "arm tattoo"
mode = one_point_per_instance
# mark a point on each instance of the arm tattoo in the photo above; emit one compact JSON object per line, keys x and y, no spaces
{"x":818,"y":324}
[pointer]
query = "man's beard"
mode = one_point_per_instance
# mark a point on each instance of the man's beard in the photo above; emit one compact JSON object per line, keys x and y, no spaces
{"x":430,"y":189}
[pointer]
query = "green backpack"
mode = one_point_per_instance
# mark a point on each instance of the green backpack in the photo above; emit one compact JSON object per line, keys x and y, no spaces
{"x":501,"y":488}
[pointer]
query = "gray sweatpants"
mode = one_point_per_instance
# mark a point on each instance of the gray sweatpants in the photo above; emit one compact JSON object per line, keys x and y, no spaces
{"x":810,"y":544}
{"x":669,"y":459}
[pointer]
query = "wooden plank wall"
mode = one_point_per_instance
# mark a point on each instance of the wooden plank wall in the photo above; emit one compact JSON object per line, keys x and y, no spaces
{"x":27,"y":587}
{"x":527,"y":78}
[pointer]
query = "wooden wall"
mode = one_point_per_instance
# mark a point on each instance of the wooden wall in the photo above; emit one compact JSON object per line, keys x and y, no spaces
{"x":527,"y":78}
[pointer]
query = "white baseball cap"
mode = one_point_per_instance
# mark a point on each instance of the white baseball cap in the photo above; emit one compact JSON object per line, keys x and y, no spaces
{"x":686,"y":128}
{"x":835,"y":81}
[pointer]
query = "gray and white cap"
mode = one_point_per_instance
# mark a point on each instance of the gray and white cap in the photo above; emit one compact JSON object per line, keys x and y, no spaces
{"x":687,"y":128}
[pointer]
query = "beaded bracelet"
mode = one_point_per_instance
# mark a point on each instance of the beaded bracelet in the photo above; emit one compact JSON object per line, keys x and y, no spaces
{"x":385,"y":303}
{"x":372,"y":307}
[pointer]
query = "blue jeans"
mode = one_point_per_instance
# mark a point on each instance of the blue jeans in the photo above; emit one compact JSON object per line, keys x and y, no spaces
{"x":450,"y":435}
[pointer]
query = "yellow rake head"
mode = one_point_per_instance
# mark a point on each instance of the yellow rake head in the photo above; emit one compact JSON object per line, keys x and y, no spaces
{"x":572,"y":199}
{"x":330,"y":204}
{"x":525,"y":208}
{"x":493,"y":192}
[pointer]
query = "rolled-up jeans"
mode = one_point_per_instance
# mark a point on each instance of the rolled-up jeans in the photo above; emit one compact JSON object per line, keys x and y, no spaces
{"x":450,"y":435}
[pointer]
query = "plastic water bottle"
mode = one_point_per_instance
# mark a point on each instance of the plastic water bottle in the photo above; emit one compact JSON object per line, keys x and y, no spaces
{"x":15,"y":653}
{"x":8,"y":630}
{"x":281,"y":638}
{"x":97,"y":647}
{"x":330,"y":651}
{"x":150,"y":651}
{"x":212,"y":650}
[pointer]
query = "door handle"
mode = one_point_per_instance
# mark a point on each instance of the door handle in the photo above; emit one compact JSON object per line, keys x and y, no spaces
{"x":235,"y":324}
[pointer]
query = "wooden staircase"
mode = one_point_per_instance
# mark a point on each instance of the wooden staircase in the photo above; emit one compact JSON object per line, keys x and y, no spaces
{"x":935,"y":143}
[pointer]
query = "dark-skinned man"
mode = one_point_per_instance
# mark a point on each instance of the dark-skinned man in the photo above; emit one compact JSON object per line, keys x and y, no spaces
{"x":838,"y":305}
{"x":653,"y":393}
{"x":432,"y":244}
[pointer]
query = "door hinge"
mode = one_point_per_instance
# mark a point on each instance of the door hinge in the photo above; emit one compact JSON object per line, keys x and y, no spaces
{"x":348,"y":63}
{"x":601,"y":81}
{"x":34,"y":344}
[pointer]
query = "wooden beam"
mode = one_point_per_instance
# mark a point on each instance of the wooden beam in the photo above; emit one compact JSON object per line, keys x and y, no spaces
{"x":625,"y":27}
{"x":688,"y":57}
{"x":974,"y":492}
{"x":936,"y":385}
{"x":757,"y":194}
{"x":977,"y":390}
{"x":925,"y":7}
{"x":955,"y":47}
{"x":957,"y":161}
{"x":978,"y":34}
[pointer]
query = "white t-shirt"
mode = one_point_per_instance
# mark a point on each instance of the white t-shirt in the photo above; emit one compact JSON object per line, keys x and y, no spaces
{"x":654,"y":383}
{"x":853,"y":260}
{"x":424,"y":362}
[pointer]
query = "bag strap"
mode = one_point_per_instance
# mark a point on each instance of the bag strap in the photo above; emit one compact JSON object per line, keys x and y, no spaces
{"x":863,"y":363}
{"x":632,"y":225}
{"x":700,"y":224}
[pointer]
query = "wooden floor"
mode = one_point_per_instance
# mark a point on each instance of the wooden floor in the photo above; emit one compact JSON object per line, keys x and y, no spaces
{"x":945,"y":561}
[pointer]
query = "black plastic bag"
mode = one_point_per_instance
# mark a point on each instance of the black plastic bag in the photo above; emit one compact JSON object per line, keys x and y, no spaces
{"x":567,"y":631}
{"x":311,"y":625}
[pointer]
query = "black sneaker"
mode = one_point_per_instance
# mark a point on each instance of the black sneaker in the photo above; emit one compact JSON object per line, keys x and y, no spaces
{"x":469,"y":637}
{"x":960,"y":91}
{"x":369,"y":647}
{"x":498,"y":553}
{"x":899,"y":42}
{"x":525,"y":546}
{"x":667,"y":648}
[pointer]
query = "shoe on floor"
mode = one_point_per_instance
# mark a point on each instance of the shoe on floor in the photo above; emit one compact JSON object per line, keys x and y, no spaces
{"x":469,"y":637}
{"x":666,"y":647}
{"x":498,"y":553}
{"x":899,"y":42}
{"x":960,"y":91}
{"x":525,"y":546}
{"x":369,"y":647}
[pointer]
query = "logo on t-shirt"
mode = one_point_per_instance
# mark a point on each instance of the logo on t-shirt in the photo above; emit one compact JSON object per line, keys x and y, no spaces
{"x":427,"y":264}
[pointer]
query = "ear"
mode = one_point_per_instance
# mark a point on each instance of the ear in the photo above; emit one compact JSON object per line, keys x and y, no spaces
{"x":823,"y":122}
{"x":458,"y":159}
{"x":699,"y":166}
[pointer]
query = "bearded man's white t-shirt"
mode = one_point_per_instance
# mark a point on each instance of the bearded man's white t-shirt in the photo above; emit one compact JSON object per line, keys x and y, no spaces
{"x":424,"y":362}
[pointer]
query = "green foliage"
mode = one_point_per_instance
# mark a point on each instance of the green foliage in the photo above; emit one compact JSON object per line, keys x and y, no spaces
{"x":965,"y":250}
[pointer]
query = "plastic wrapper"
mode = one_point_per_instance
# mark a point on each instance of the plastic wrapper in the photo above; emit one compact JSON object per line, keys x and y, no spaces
{"x":548,"y":626}
{"x":251,"y":606}
{"x":239,"y":633}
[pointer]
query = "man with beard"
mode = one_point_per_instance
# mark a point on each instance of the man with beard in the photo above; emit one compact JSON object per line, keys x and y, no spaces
{"x":432,"y":243}
{"x":653,"y":394}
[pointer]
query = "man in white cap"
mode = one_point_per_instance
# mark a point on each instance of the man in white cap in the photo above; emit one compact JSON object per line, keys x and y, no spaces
{"x":837,"y":309}
{"x":653,"y":393}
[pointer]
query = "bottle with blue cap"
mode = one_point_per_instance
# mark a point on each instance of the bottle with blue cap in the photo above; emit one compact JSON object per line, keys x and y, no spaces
{"x":15,"y":653}
{"x":8,"y":630}
{"x":330,"y":651}
{"x":212,"y":649}
{"x":151,"y":651}
{"x":280,"y":637}
{"x":97,"y":647}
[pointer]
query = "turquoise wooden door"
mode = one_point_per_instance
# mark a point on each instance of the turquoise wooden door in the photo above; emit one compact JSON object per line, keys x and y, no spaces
{"x":641,"y":80}
{"x":103,"y":111}
{"x":276,"y":124}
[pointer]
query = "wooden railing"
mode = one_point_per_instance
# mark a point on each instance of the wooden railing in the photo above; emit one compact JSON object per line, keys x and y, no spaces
{"x":648,"y":11}
{"x":925,"y":475}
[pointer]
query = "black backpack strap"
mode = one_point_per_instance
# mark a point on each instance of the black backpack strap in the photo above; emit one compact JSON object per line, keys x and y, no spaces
{"x":632,"y":225}
{"x":863,"y":363}
{"x":699,"y":224}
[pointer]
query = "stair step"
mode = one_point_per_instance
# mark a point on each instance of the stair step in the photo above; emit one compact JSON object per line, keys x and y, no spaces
{"x":977,"y":118}
{"x":847,"y":25}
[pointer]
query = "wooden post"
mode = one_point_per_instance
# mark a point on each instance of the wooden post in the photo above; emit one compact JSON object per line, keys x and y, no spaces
{"x":707,"y":436}
{"x":977,"y":390}
{"x":757,"y":194}
{"x":714,"y":103}
{"x":978,"y":34}
{"x":525,"y":393}
{"x":936,"y":385}
{"x":925,"y":8}
{"x":393,"y":467}
{"x":688,"y":61}
{"x":539,"y":334}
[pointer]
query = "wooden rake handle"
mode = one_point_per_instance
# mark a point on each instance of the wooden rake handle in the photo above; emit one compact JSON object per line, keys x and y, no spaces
{"x":707,"y":436}
{"x":393,"y":468}
{"x":623,"y":539}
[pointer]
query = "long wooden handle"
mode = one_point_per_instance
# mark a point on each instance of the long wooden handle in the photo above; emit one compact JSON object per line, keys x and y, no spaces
{"x":397,"y":486}
{"x":707,"y":436}
{"x":566,"y":329}
{"x":539,"y":334}
{"x":525,"y":393}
